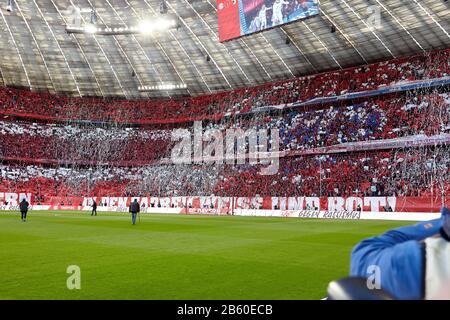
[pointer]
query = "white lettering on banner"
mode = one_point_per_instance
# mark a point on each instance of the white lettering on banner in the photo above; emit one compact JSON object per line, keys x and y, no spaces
{"x":336,"y":203}
{"x":203,"y":202}
{"x":352,"y":203}
{"x":154,"y":201}
{"x":182,"y":201}
{"x":313,"y":202}
{"x":176,"y":202}
{"x":296,"y":203}
{"x":224,"y":202}
{"x":165,"y":202}
{"x":185,"y":201}
{"x":243,"y":203}
{"x":275,"y":203}
{"x":85,"y":202}
{"x":213,"y":201}
{"x":270,"y":206}
{"x":374,"y":203}
{"x":190,"y":201}
{"x":105,"y":200}
{"x":14,"y":198}
{"x":392,"y":201}
{"x":122,"y":201}
{"x":25,"y":195}
{"x":144,"y":202}
{"x":11,"y":198}
{"x":256,"y":203}
{"x":283,"y":203}
{"x":113,"y":201}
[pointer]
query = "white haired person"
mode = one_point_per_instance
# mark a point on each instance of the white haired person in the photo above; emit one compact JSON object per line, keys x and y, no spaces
{"x":413,"y":261}
{"x":262,"y":17}
{"x":277,"y":12}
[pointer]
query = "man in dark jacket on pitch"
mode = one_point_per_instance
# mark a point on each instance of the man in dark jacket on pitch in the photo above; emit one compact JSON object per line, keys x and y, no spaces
{"x":134,"y":209}
{"x":94,"y":207}
{"x":23,"y":206}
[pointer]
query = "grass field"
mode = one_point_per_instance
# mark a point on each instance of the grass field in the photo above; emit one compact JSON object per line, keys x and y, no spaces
{"x":175,"y":257}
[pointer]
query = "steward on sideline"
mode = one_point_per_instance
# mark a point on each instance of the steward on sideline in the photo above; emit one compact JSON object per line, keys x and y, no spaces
{"x":134,"y":209}
{"x":23,"y":206}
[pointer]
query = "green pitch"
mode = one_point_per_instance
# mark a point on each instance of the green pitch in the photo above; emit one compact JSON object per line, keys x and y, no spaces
{"x":175,"y":257}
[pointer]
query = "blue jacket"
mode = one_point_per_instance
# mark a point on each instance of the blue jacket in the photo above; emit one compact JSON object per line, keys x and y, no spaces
{"x":400,"y":256}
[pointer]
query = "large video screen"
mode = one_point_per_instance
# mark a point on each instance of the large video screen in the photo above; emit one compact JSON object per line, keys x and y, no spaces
{"x":242,"y":17}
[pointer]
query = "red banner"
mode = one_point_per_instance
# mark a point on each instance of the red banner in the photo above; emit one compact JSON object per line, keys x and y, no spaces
{"x":223,"y":205}
{"x":228,"y":19}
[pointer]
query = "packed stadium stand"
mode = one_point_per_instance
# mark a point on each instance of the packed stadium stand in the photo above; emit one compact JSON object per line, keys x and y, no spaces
{"x":45,"y":106}
{"x":51,"y":145}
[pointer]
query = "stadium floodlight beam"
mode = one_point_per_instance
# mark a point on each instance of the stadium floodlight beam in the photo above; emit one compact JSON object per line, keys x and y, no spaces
{"x":163,"y":87}
{"x":161,"y":24}
{"x":90,"y":28}
{"x":145,"y":27}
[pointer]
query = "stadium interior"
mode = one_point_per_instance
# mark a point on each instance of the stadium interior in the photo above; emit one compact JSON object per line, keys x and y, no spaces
{"x":60,"y":146}
{"x":97,"y":95}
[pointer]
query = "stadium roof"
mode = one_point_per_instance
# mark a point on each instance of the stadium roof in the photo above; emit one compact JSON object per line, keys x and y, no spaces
{"x":37,"y":52}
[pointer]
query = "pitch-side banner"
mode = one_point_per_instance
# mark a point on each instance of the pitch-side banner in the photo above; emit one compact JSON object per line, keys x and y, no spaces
{"x":227,"y":205}
{"x":238,"y":18}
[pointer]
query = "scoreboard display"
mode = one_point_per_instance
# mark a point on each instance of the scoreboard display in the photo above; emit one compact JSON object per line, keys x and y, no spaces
{"x":238,"y":18}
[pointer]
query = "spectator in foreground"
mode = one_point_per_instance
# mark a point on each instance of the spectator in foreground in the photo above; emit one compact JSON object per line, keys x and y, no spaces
{"x":413,"y":261}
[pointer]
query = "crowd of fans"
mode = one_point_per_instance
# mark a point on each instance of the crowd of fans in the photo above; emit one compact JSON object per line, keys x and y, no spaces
{"x":82,"y":145}
{"x":391,"y":117}
{"x":405,"y":172}
{"x":374,"y":119}
{"x":425,"y":66}
{"x":382,"y":173}
{"x":56,"y":157}
{"x":174,"y":180}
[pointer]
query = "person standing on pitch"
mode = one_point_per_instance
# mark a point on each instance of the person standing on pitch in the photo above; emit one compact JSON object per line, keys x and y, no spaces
{"x":94,"y":207}
{"x":23,"y":206}
{"x":277,"y":12}
{"x":134,"y":209}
